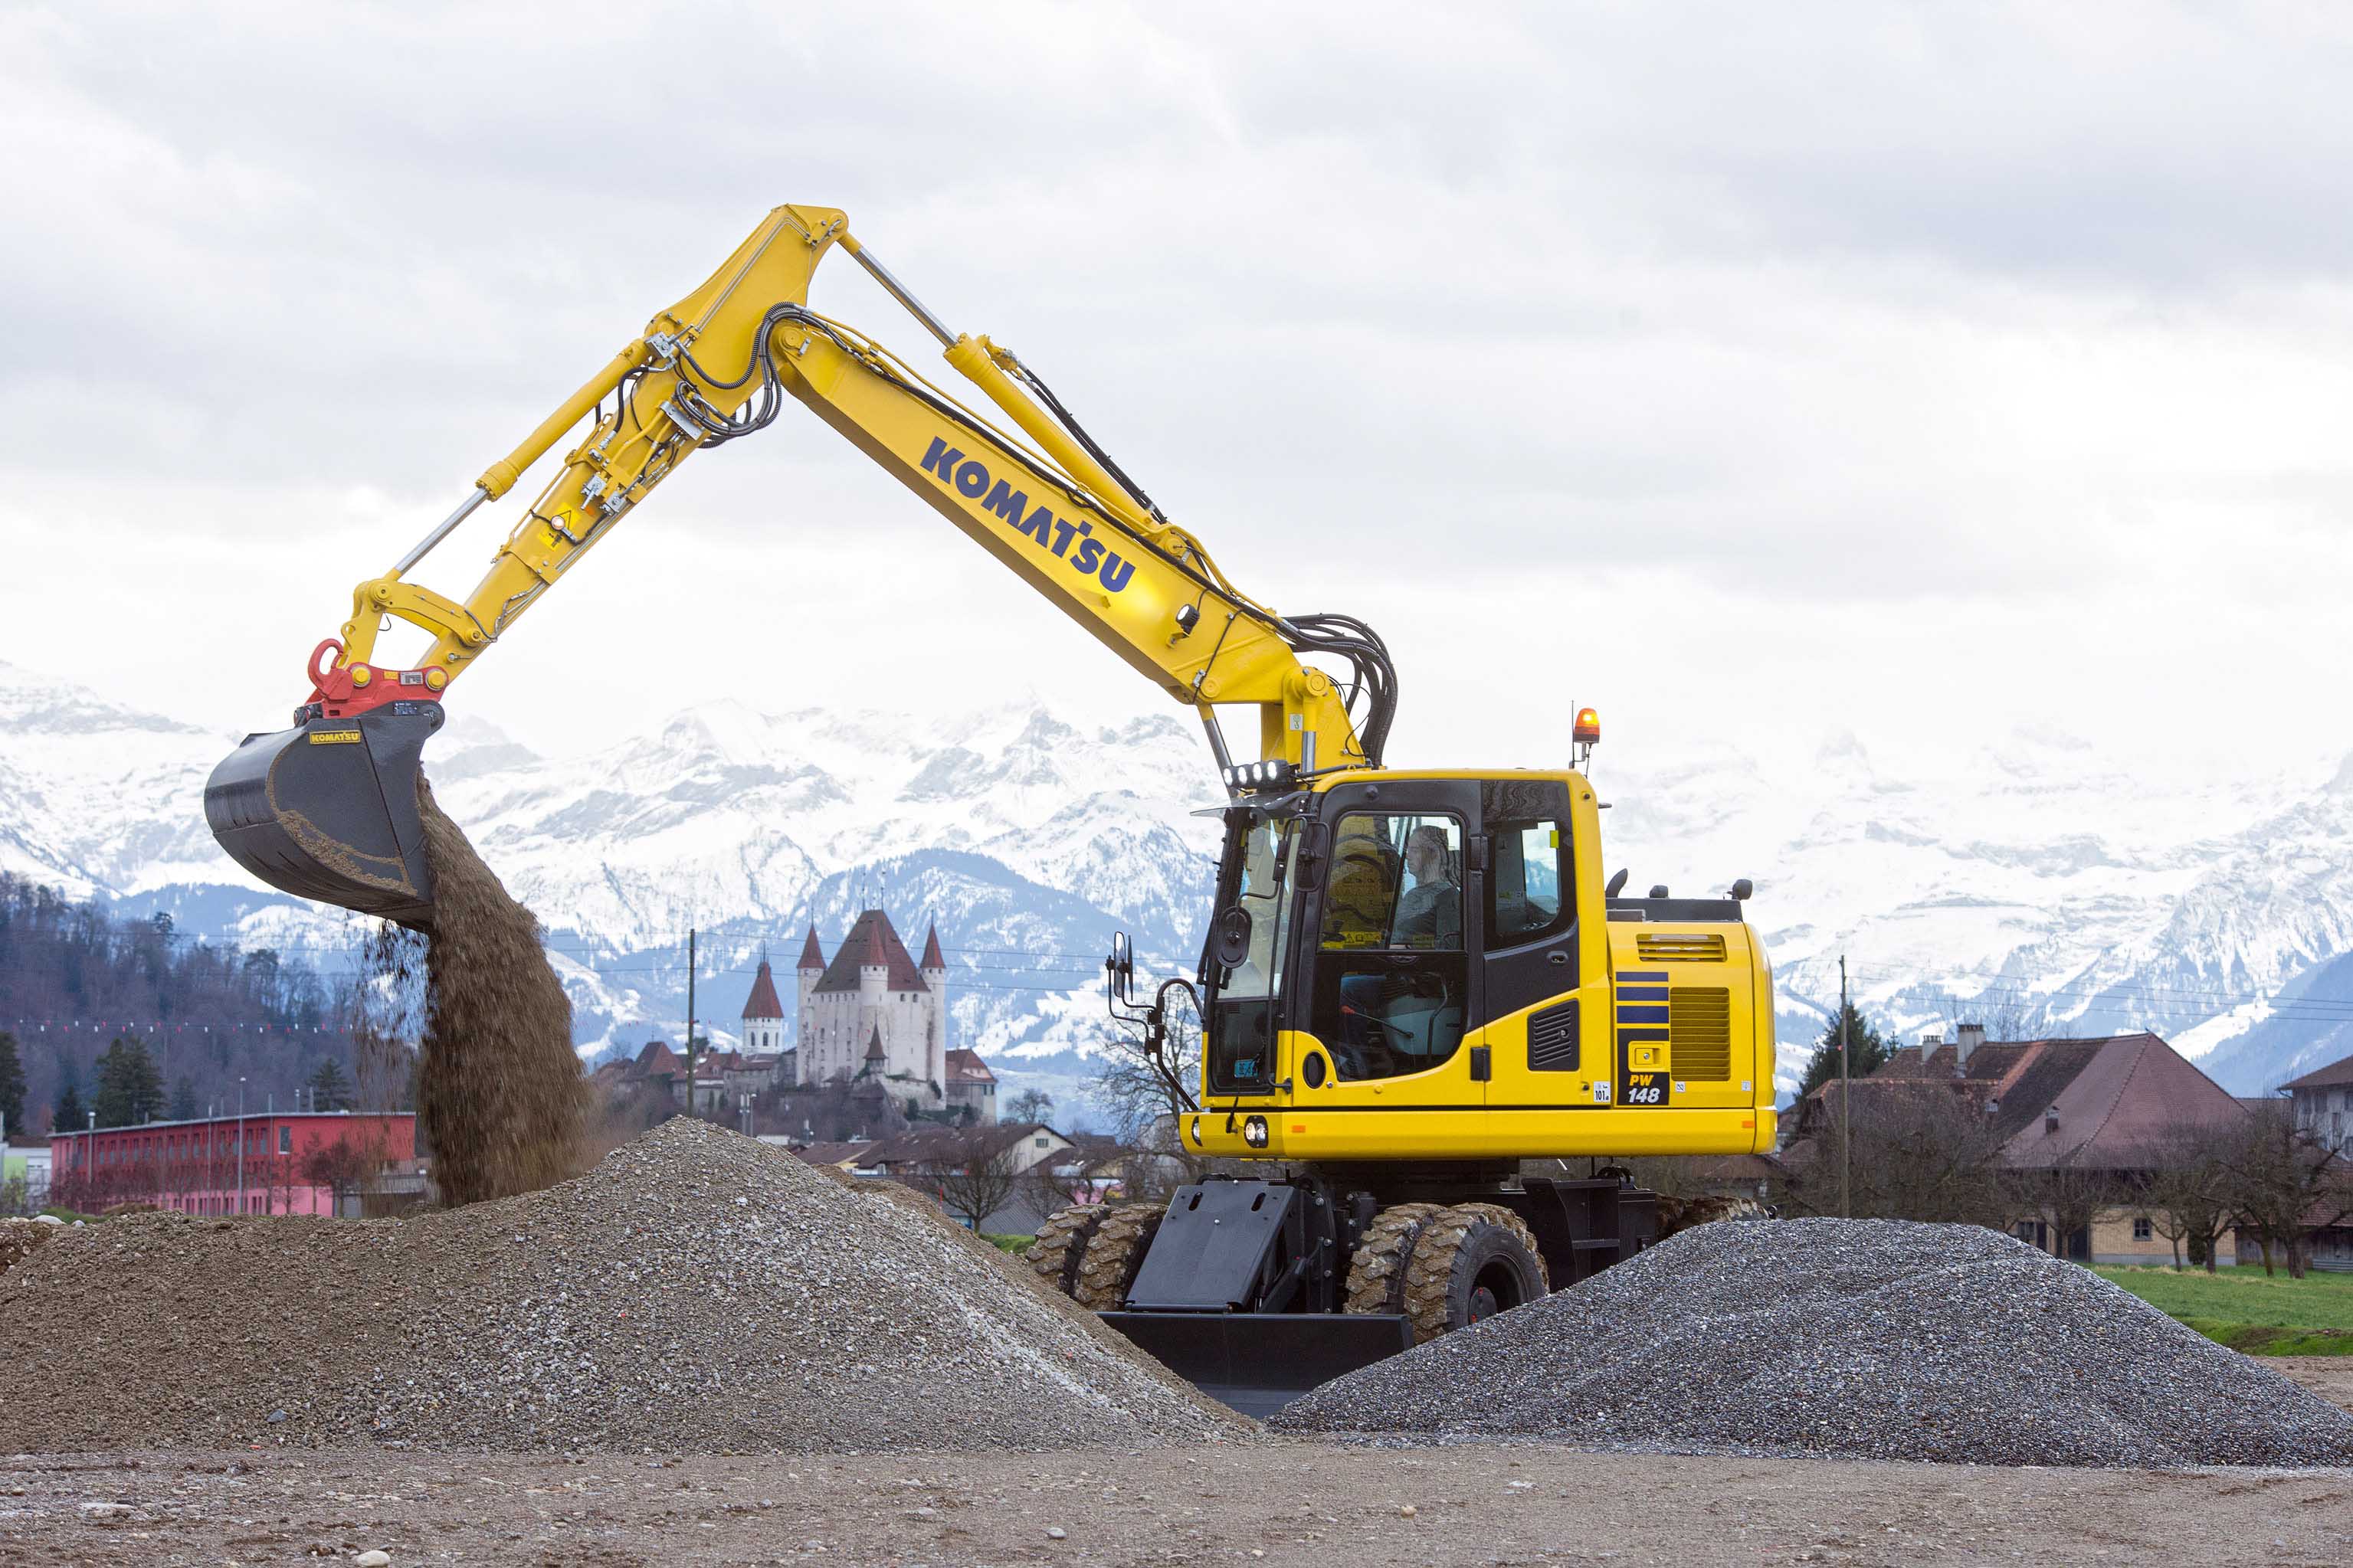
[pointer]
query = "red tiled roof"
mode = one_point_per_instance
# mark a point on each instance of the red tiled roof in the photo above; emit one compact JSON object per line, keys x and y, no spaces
{"x":2323,"y":1078}
{"x":762,"y":1003}
{"x":872,"y":942}
{"x":810,"y":957}
{"x":966,"y":1067}
{"x":932,"y":959}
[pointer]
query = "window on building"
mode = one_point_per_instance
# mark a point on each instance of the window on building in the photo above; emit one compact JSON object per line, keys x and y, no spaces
{"x":286,"y":1140}
{"x":2143,"y":1229}
{"x":1040,"y":1143}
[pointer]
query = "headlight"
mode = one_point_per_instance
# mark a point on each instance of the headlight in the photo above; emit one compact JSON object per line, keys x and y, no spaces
{"x":1197,"y":1133}
{"x":1254,"y":1131}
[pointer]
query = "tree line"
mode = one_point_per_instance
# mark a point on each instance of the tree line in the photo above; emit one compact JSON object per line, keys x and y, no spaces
{"x":206,"y":1014}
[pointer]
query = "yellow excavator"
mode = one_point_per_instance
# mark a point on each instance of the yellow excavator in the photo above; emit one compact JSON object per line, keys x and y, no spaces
{"x":1415,"y":981}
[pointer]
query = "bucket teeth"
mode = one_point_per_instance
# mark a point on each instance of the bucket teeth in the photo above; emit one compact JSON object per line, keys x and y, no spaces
{"x":327,"y":810}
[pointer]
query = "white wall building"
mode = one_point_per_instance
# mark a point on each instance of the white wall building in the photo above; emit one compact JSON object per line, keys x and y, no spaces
{"x":875,"y":1013}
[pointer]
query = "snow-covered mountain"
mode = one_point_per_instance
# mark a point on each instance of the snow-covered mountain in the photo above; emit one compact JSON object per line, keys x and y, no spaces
{"x":2028,"y":884}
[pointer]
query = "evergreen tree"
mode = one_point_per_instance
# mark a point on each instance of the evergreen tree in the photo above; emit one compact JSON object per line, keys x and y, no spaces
{"x":11,"y":1088}
{"x":130,"y":1085}
{"x":184,"y":1099}
{"x":68,"y":1114}
{"x":329,"y":1089}
{"x":1865,"y":1048}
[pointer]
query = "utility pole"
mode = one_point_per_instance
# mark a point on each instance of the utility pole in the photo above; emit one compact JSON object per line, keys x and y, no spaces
{"x":690,"y":1021}
{"x":241,"y":1145}
{"x":1846,"y":1105}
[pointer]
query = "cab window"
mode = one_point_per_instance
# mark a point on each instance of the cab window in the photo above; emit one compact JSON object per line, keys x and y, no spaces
{"x":1390,"y":976}
{"x":1529,"y":881}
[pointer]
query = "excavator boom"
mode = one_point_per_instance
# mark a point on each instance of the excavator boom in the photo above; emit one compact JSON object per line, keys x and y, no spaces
{"x":326,"y":809}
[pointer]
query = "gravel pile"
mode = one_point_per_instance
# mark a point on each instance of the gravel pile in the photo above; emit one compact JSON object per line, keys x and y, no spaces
{"x":1867,"y":1339}
{"x":694,"y":1290}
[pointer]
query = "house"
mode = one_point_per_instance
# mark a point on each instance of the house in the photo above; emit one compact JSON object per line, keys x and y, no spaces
{"x":2098,"y":1112}
{"x":262,"y":1163}
{"x":2321,"y":1103}
{"x":1016,"y":1162}
{"x":972,"y":1088}
{"x":23,"y":1173}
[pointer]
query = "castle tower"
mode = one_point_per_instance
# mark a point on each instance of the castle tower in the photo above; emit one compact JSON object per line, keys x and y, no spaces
{"x":812,"y":969}
{"x":764,"y":1014}
{"x":872,"y":995}
{"x":935,"y":1021}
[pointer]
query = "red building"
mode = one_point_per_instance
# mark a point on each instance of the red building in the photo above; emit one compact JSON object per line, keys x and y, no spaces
{"x":267,"y":1162}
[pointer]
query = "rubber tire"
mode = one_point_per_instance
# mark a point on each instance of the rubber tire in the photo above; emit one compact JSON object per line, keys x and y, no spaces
{"x":1060,"y":1248}
{"x":1454,"y":1249}
{"x":1376,"y":1269}
{"x":1678,"y":1215}
{"x":1114,"y":1254}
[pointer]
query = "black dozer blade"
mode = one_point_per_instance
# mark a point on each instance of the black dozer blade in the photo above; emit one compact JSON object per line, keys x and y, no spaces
{"x":1257,"y":1362}
{"x":328,"y":810}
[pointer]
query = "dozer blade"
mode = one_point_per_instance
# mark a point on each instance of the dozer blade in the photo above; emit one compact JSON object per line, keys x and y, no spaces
{"x":328,"y":811}
{"x":1257,"y":1362}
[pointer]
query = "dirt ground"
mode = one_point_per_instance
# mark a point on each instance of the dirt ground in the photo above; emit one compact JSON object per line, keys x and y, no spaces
{"x":1279,"y":1503}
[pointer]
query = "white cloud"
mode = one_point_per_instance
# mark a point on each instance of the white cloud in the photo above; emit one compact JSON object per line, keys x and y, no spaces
{"x":1898,"y":365}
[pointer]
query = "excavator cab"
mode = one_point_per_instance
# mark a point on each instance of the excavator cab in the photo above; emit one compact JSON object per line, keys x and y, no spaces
{"x":1416,"y":983}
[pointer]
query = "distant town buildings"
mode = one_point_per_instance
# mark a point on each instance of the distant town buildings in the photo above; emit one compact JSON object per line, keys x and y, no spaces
{"x":870,"y":1029}
{"x":309,"y":1162}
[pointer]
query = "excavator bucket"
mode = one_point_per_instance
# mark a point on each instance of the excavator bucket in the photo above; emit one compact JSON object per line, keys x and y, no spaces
{"x":328,"y":810}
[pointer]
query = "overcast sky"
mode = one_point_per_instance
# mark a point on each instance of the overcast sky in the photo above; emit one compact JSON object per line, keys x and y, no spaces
{"x":1746,"y":371}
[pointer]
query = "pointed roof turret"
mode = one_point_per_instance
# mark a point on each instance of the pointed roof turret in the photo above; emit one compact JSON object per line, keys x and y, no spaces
{"x":932,"y":959}
{"x":872,"y":945}
{"x":762,"y":1003}
{"x":810,"y":957}
{"x":875,"y":1044}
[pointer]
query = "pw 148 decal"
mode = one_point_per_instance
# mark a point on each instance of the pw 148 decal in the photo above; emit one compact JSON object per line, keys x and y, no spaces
{"x":1057,"y":536}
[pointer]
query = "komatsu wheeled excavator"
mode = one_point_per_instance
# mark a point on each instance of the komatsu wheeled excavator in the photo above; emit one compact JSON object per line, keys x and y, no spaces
{"x":1415,"y":982}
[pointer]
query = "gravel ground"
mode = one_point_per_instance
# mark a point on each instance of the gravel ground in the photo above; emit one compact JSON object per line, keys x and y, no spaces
{"x":696,"y":1289}
{"x":1857,"y":1338}
{"x":1299,"y":1504}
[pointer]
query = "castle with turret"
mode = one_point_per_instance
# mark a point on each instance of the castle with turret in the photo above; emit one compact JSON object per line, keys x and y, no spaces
{"x":873,"y":1013}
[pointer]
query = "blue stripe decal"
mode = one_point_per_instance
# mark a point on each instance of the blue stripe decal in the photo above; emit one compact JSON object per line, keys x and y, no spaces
{"x":1656,"y":977}
{"x":1642,"y":1015}
{"x":1641,"y":994}
{"x":1642,"y":1037}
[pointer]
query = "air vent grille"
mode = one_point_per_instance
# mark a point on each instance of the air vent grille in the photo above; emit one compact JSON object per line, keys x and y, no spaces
{"x":1552,"y":1039}
{"x":1679,"y":947}
{"x":1699,"y":1033}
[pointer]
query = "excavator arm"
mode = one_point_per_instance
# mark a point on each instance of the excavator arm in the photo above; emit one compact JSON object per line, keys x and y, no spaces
{"x":326,"y":809}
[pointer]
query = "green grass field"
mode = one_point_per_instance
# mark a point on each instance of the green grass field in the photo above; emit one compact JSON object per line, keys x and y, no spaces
{"x":2248,"y":1311}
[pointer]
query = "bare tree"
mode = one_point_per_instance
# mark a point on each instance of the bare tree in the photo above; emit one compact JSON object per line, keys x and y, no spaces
{"x":2066,"y":1195}
{"x":2283,"y":1182}
{"x":974,"y":1171}
{"x":2187,"y":1189}
{"x":1922,"y":1150}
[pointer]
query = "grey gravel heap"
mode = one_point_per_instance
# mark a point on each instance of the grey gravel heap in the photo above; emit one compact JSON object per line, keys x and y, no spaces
{"x":696,"y":1289}
{"x":1867,"y":1339}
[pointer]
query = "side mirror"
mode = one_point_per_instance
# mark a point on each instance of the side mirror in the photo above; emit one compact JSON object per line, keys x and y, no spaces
{"x":1119,"y":969}
{"x":1742,"y":890}
{"x":1230,"y":945}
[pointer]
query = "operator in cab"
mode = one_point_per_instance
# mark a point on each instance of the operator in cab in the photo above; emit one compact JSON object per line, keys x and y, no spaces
{"x":1429,"y":912}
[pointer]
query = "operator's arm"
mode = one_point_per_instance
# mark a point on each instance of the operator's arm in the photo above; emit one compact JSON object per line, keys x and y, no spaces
{"x":715,"y":365}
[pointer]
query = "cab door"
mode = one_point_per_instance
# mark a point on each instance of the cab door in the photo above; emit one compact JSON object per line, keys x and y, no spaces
{"x":1387,"y":988}
{"x":1545,"y":1028}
